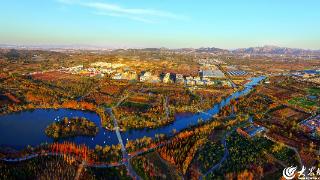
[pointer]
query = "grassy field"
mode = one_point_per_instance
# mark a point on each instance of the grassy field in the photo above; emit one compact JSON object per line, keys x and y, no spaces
{"x":314,"y":91}
{"x":303,"y":102}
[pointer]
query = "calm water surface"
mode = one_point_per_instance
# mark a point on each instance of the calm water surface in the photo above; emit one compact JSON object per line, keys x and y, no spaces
{"x":24,"y":128}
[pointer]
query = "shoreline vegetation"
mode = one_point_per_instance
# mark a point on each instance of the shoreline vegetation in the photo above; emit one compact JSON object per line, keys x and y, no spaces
{"x":106,"y":122}
{"x":71,"y":127}
{"x":74,"y":105}
{"x":162,"y":113}
{"x":147,"y":107}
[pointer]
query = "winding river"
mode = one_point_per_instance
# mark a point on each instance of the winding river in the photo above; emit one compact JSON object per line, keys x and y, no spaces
{"x":18,"y":130}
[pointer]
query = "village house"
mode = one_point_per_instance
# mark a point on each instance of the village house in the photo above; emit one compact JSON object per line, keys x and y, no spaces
{"x":190,"y":81}
{"x":180,"y":79}
{"x":117,"y":76}
{"x":101,"y":64}
{"x":107,"y":71}
{"x":148,"y":77}
{"x":130,"y":75}
{"x":250,"y":130}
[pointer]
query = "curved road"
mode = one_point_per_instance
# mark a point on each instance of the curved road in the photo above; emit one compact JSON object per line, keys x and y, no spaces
{"x":226,"y":151}
{"x":225,"y":155}
{"x":126,"y":157}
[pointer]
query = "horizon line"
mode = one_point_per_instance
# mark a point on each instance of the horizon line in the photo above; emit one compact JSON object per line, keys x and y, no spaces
{"x":108,"y":47}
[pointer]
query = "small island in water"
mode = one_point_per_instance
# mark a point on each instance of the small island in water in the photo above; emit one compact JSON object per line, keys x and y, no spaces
{"x":71,"y":127}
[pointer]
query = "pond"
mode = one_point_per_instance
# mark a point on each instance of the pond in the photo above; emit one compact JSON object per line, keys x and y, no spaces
{"x":28,"y":128}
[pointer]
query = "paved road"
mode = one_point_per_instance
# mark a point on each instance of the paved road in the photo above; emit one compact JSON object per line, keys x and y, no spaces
{"x":31,"y":156}
{"x":125,"y":161}
{"x":225,"y":155}
{"x":228,"y":76}
{"x":105,"y":165}
{"x":276,"y":160}
{"x":20,"y":159}
{"x":121,"y":100}
{"x":125,"y":156}
{"x":226,"y":151}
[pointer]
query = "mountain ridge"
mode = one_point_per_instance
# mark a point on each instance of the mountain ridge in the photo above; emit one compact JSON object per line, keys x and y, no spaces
{"x":262,"y":50}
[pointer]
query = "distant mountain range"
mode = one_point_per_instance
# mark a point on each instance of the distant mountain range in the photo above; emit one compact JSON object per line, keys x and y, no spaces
{"x":265,"y":50}
{"x":274,"y":50}
{"x":212,"y":50}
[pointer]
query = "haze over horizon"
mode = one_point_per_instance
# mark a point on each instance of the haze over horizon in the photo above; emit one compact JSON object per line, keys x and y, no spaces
{"x":170,"y":23}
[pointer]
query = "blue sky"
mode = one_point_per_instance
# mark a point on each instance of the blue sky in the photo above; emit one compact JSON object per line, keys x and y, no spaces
{"x":161,"y":23}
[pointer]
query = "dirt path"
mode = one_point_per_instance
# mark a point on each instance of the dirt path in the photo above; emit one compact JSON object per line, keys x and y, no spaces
{"x":80,"y":169}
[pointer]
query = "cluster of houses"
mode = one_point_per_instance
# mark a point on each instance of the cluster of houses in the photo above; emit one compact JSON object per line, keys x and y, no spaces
{"x":312,"y":126}
{"x":117,"y":71}
{"x":210,"y":61}
{"x":147,"y":76}
{"x":251,"y":130}
{"x":95,"y":69}
{"x":312,"y":75}
{"x":205,"y":77}
{"x":306,"y":73}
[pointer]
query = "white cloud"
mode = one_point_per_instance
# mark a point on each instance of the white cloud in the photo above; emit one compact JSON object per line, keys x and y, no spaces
{"x":125,"y":16}
{"x":114,"y":10}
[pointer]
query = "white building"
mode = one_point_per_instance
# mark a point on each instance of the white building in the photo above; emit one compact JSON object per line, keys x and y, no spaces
{"x":117,"y":76}
{"x":148,"y":77}
{"x":199,"y":82}
{"x":145,"y":76}
{"x":179,"y":79}
{"x":101,"y":64}
{"x":190,"y":81}
{"x":209,"y":83}
{"x":130,"y":75}
{"x":107,"y":71}
{"x":167,"y":79}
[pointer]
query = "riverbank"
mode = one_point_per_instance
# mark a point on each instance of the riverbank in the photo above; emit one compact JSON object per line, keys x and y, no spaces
{"x":39,"y":119}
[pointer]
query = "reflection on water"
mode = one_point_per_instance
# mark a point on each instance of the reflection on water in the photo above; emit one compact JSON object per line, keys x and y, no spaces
{"x":28,"y":128}
{"x":24,"y":128}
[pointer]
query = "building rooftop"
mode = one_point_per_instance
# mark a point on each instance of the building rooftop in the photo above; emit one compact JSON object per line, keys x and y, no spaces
{"x":212,"y":74}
